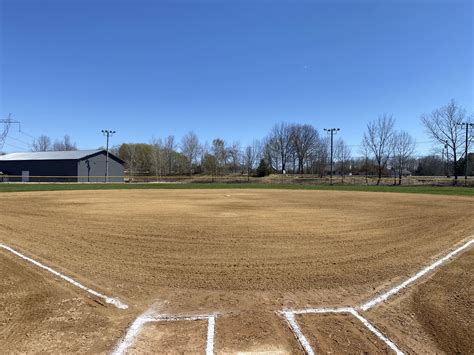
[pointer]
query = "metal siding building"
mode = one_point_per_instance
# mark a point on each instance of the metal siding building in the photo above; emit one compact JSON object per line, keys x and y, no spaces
{"x":70,"y":166}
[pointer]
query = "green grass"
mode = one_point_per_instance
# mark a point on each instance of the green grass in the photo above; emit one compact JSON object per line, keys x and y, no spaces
{"x":445,"y":190}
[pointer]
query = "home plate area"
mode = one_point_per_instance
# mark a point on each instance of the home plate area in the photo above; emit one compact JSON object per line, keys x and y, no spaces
{"x":309,"y":330}
{"x":326,"y":330}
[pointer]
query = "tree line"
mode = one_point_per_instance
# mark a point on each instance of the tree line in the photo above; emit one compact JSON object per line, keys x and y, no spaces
{"x":293,"y":148}
{"x":44,"y":144}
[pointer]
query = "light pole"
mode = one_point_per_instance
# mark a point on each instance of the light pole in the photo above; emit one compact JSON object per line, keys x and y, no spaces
{"x":107,"y":133}
{"x":332,"y":131}
{"x":467,"y":125}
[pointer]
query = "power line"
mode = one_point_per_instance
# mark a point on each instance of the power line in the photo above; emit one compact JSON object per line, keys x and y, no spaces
{"x":15,"y":146}
{"x":416,"y":142}
{"x":26,"y":134}
{"x":18,"y":140}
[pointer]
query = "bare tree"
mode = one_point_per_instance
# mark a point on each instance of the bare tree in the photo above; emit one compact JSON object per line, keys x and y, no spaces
{"x":379,"y":141}
{"x":251,"y":156}
{"x":235,"y":153}
{"x":220,"y":153}
{"x":270,"y":153}
{"x":115,"y":150}
{"x":320,"y":156}
{"x":190,"y":148}
{"x":404,"y":147}
{"x":41,"y":144}
{"x":129,"y":154}
{"x":443,"y":126}
{"x":365,"y":163}
{"x":208,"y":161}
{"x":304,"y":140}
{"x":169,"y":148}
{"x":156,"y":155}
{"x":281,"y":144}
{"x":343,"y":156}
{"x":64,"y":145}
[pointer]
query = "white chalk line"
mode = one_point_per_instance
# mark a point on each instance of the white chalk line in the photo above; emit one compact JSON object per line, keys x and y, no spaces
{"x":131,"y":334}
{"x":149,"y":316}
{"x":290,"y":314}
{"x":377,"y":332}
{"x":415,"y":277}
{"x":211,"y":330}
{"x":110,"y":300}
{"x":290,"y":317}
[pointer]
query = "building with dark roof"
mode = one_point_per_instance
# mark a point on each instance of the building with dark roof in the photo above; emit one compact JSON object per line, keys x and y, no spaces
{"x":67,"y":166}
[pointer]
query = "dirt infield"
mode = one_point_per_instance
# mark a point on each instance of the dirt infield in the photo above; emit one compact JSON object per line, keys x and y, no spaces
{"x":242,"y":253}
{"x":436,"y":316}
{"x":38,"y":313}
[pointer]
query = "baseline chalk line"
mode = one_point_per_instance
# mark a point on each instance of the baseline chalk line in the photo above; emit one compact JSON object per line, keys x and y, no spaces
{"x":149,"y":316}
{"x":371,"y":303}
{"x":110,"y":300}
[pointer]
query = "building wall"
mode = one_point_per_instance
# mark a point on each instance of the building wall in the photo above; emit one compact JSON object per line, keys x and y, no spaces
{"x":92,"y":169}
{"x":41,"y":170}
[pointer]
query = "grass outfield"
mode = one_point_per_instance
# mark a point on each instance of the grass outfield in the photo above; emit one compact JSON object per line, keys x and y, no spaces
{"x":437,"y":190}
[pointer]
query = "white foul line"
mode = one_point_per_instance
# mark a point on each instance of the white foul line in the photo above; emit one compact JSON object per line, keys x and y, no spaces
{"x":412,"y":279}
{"x":149,"y":317}
{"x":109,"y":300}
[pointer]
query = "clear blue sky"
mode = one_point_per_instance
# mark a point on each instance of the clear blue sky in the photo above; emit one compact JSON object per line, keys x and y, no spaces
{"x":229,"y":69}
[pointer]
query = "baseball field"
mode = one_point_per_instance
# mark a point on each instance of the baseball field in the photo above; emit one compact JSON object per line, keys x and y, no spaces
{"x":235,"y":271}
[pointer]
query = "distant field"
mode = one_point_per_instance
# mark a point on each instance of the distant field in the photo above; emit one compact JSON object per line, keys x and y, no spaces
{"x":437,"y":190}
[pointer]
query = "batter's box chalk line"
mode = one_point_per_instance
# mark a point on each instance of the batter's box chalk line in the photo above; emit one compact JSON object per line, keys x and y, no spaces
{"x":150,"y":316}
{"x":290,"y":318}
{"x":110,"y":300}
{"x":289,"y":315}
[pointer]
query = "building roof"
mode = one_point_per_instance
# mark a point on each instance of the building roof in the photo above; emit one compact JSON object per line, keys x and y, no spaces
{"x":61,"y":155}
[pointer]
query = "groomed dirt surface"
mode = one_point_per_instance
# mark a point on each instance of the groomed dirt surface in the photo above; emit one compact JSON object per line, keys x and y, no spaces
{"x":171,"y":337}
{"x":437,"y":315}
{"x":242,"y":253}
{"x":340,"y":333}
{"x":39,"y":313}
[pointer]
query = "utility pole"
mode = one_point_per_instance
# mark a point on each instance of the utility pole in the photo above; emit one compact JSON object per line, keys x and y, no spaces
{"x":467,"y":125}
{"x":107,"y":133}
{"x":332,"y":131}
{"x":7,"y":122}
